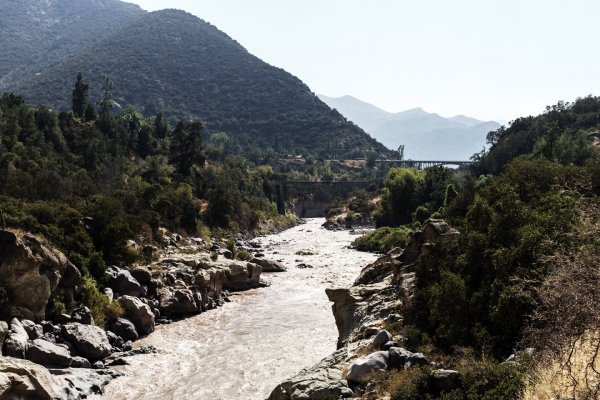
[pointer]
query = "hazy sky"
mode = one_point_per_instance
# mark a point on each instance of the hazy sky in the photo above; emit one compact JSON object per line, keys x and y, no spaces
{"x":490,"y":59}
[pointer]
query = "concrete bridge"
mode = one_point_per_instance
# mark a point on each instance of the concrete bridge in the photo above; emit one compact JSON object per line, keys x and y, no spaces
{"x":309,"y":199}
{"x":422,"y":164}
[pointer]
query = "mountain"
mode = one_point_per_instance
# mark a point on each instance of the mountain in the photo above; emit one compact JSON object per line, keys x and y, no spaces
{"x":35,"y":33}
{"x":426,"y":136}
{"x":173,"y":62}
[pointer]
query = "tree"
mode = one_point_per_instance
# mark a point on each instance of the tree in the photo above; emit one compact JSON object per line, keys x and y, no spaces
{"x":81,"y":98}
{"x":186,"y":147}
{"x":106,"y":119}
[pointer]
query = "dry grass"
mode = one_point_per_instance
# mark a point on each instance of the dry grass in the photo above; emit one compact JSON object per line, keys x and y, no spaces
{"x":576,"y":376}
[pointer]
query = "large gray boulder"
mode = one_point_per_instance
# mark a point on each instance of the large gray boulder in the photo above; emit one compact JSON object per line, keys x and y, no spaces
{"x":361,"y":367}
{"x":90,"y":341}
{"x":322,"y":382}
{"x":32,"y":270}
{"x":122,"y":282}
{"x":269,"y":265}
{"x":139,"y":313}
{"x":46,"y":353}
{"x":402,"y":358}
{"x":176,"y":302}
{"x":123,"y":328}
{"x":23,"y":379}
{"x":17,"y":340}
{"x":381,"y":339}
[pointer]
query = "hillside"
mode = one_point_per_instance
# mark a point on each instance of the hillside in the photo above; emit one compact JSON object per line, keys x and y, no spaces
{"x":34,"y":34}
{"x":427,"y":136}
{"x":172,"y":62}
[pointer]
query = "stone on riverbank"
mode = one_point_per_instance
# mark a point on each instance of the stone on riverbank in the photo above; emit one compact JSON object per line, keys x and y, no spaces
{"x":362,"y":367}
{"x":47,"y":353}
{"x":139,"y":313}
{"x":90,"y":341}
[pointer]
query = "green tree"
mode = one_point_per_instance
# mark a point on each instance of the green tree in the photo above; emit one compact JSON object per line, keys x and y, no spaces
{"x":81,"y":97}
{"x":186,"y":147}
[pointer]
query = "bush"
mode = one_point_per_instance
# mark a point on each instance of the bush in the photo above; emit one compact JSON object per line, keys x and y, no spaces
{"x":101,"y":308}
{"x":382,"y":240}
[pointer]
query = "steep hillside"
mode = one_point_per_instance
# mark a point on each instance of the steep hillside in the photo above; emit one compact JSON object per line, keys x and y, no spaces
{"x":424,"y":135}
{"x":172,"y":62}
{"x":35,"y":33}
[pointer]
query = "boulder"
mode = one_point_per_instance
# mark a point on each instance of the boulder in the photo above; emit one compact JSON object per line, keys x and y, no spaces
{"x":402,"y":358}
{"x":269,"y":265}
{"x":22,"y":379}
{"x":3,"y":334}
{"x":80,"y":362}
{"x":123,"y":328}
{"x":381,"y":339}
{"x":33,"y":330}
{"x":16,"y":343}
{"x":228,"y":275}
{"x":361,"y":367}
{"x":443,"y":380}
{"x":139,"y":313}
{"x":82,"y":315}
{"x":142,"y":275}
{"x":32,"y":270}
{"x":122,"y":282}
{"x":176,"y":302}
{"x":90,"y":341}
{"x":46,"y":353}
{"x":323,"y":381}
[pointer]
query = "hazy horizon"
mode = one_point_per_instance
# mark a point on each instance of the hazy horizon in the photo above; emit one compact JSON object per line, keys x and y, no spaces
{"x":492,"y":61}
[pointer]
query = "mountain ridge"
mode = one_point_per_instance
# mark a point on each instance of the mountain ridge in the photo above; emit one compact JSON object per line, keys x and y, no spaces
{"x":425,"y":135}
{"x":174,"y":62}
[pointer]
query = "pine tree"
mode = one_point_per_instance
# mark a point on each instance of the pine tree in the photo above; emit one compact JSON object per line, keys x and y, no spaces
{"x":81,"y":97}
{"x":186,"y":147}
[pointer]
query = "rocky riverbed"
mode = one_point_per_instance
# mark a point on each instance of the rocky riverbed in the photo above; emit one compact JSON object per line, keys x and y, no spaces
{"x":261,"y":337}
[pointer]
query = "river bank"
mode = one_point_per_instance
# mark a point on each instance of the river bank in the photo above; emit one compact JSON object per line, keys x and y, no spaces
{"x":258,"y":339}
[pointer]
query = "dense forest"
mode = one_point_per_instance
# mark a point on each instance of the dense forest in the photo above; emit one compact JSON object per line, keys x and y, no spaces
{"x":523,"y":272}
{"x":173,"y":62}
{"x":90,"y":179}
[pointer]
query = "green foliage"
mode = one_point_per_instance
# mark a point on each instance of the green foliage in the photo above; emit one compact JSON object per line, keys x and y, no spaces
{"x":101,"y":308}
{"x":559,"y":134}
{"x":479,"y":380}
{"x":400,"y":197}
{"x":382,"y":240}
{"x":477,"y":290}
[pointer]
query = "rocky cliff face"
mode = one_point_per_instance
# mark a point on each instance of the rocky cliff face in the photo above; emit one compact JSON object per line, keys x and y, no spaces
{"x":375,"y":299}
{"x":32,"y":270}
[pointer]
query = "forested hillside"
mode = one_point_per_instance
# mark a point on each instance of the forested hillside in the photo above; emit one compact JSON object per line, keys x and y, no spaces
{"x":172,"y":62}
{"x":34,"y":34}
{"x":523,"y":271}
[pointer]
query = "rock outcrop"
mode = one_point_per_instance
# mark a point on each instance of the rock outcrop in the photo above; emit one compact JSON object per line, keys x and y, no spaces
{"x":32,"y":270}
{"x":322,"y":381}
{"x":23,"y":379}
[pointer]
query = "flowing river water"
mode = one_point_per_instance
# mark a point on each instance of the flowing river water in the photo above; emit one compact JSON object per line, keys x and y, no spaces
{"x":245,"y":348}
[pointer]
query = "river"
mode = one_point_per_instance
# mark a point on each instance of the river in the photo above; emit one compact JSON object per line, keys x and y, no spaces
{"x":245,"y":348}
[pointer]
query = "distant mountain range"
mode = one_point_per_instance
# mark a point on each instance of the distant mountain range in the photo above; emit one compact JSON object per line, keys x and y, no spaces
{"x":167,"y":61}
{"x":426,"y":136}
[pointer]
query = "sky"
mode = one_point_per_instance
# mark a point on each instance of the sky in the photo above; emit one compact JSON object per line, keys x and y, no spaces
{"x":489,"y":59}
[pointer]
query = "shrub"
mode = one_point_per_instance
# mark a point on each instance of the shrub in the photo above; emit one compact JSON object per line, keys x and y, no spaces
{"x":382,"y":240}
{"x":5,"y":302}
{"x":101,"y":308}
